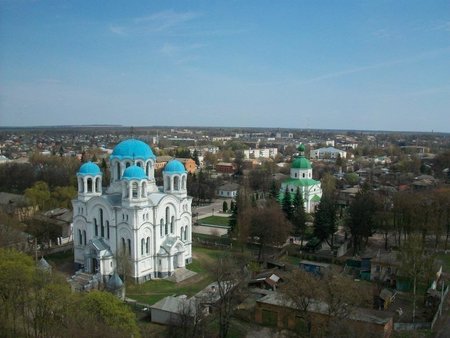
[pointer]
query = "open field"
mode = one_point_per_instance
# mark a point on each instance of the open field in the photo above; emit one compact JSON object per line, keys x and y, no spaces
{"x":214,"y":220}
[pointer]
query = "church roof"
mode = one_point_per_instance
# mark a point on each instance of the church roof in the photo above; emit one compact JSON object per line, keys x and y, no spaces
{"x":315,"y":198}
{"x":134,"y":173}
{"x":301,"y":163}
{"x":132,"y":149}
{"x":302,"y":182}
{"x":89,"y":168}
{"x":175,"y":167}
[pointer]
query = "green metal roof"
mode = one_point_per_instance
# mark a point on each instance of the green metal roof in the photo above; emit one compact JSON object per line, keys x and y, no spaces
{"x":302,"y":182}
{"x":301,"y":163}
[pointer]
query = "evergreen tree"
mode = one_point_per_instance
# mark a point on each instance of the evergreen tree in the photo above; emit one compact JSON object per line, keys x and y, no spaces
{"x":195,"y":157}
{"x":299,"y":214}
{"x":287,"y":204}
{"x":273,"y":192}
{"x":325,"y":220}
{"x":225,"y":206}
{"x":94,"y":158}
{"x":232,"y":220}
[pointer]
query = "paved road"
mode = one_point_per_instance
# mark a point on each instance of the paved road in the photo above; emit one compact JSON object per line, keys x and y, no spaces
{"x":215,"y":208}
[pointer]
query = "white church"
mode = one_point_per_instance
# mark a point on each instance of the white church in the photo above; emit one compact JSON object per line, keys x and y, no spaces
{"x":301,"y":178}
{"x":148,"y":225}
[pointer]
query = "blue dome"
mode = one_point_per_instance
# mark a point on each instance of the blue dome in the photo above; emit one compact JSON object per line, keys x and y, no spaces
{"x":174,"y":166}
{"x":134,"y":173}
{"x":132,"y":149}
{"x":89,"y":168}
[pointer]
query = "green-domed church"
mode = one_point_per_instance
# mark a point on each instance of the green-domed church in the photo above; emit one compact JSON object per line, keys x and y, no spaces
{"x":301,"y":177}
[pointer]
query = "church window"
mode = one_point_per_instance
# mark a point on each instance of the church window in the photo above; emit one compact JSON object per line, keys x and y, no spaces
{"x":142,"y":246}
{"x":127,"y":164}
{"x":303,"y":175}
{"x":80,"y":237}
{"x":185,"y":232}
{"x":168,"y":182}
{"x":161,"y":224}
{"x":107,"y":229}
{"x":89,"y":185}
{"x":95,"y":227}
{"x":123,"y":245}
{"x":102,"y":226}
{"x":84,"y":236}
{"x":172,"y":220}
{"x":134,"y":187}
{"x":147,"y":245}
{"x":167,"y":220}
{"x":295,"y":174}
{"x":139,"y":164}
{"x":118,"y":170}
{"x":176,"y":183}
{"x":129,"y":247}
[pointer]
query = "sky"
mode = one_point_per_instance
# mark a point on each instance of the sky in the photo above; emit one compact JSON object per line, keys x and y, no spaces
{"x":366,"y":65}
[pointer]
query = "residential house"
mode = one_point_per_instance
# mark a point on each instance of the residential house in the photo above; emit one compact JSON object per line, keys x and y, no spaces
{"x":228,"y":190}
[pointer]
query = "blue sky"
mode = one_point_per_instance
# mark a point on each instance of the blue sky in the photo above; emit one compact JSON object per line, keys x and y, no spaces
{"x":299,"y":64}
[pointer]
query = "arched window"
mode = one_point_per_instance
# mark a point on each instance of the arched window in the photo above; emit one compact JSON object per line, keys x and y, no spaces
{"x":123,"y":245}
{"x":176,"y":183}
{"x":182,"y":233}
{"x":161,"y":225}
{"x":89,"y":184}
{"x":303,"y":175}
{"x":129,"y":247}
{"x":127,"y":164}
{"x":134,"y":188}
{"x":84,"y":236}
{"x":167,"y":220}
{"x":172,"y":220}
{"x":168,"y":182}
{"x":185,"y":232}
{"x":147,"y":245}
{"x":95,"y":227}
{"x":142,"y":246}
{"x":107,"y":229}
{"x":118,"y":171}
{"x":80,"y":238}
{"x":102,"y":226}
{"x":139,"y":164}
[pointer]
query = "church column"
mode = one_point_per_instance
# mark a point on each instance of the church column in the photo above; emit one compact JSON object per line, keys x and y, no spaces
{"x":171,"y":183}
{"x":85,"y":185}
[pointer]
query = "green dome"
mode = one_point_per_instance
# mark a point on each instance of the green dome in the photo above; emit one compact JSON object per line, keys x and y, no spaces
{"x":301,"y":163}
{"x":301,"y":148}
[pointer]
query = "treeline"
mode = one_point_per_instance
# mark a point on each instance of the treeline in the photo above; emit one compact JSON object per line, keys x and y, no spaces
{"x":35,"y":302}
{"x":56,"y":171}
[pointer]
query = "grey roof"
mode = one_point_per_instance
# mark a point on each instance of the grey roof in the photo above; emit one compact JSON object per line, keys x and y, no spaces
{"x":114,"y":199}
{"x":174,"y":304}
{"x":8,"y":198}
{"x":101,"y":247}
{"x":167,"y":245}
{"x":229,"y":187}
{"x":358,"y":314}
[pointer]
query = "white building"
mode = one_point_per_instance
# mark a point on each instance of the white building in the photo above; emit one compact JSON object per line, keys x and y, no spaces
{"x":301,"y":178}
{"x":261,"y":153}
{"x":148,"y":225}
{"x":328,"y":152}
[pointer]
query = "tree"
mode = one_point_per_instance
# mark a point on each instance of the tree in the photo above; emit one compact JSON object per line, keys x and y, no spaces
{"x":299,"y":215}
{"x":274,"y":190}
{"x":325,"y":220}
{"x":269,"y":226}
{"x":103,"y":314}
{"x":62,"y":196}
{"x":361,"y":218}
{"x":39,"y":195}
{"x":352,"y":178}
{"x":415,"y":263}
{"x":328,"y":184}
{"x":228,"y":274}
{"x":298,"y":291}
{"x":195,"y":157}
{"x":286,"y":204}
{"x":224,"y":206}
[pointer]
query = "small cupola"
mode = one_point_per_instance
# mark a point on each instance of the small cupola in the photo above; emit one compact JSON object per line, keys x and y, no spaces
{"x":301,"y":166}
{"x":175,"y":178}
{"x":89,"y":178}
{"x":134,"y":184}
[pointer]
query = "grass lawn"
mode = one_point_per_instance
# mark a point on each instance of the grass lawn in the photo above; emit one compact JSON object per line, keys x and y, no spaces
{"x":214,"y":220}
{"x":155,"y":290}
